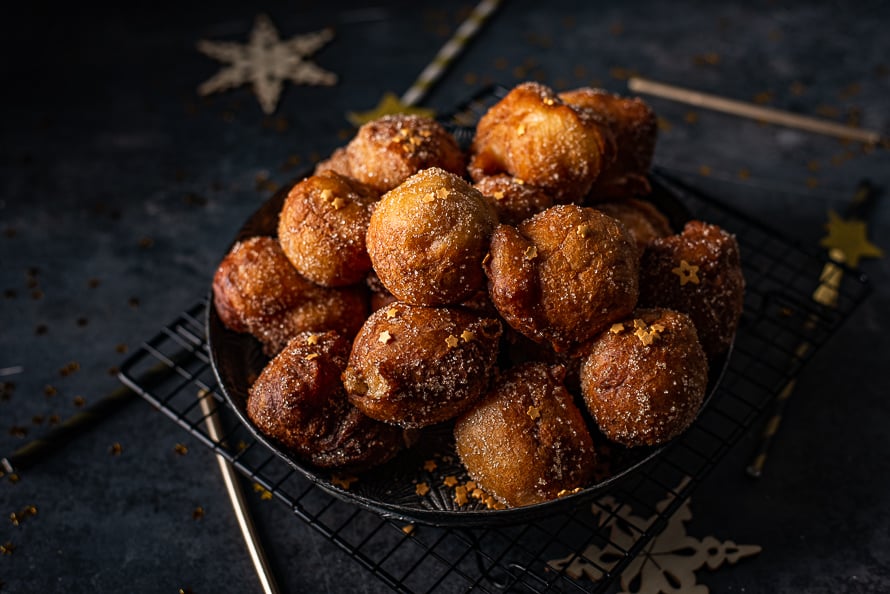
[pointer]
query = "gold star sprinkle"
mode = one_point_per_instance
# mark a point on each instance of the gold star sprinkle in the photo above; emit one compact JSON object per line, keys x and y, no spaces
{"x":565,"y":492}
{"x":534,"y":412}
{"x":422,"y":489}
{"x":686,"y":272}
{"x":311,"y":356}
{"x":7,"y":548}
{"x":198,"y":513}
{"x":467,"y":336}
{"x":384,"y":337}
{"x":582,"y":230}
{"x":645,"y":337}
{"x":430,"y":465}
{"x":499,"y":195}
{"x":460,"y":495}
{"x":452,"y":341}
{"x":343,"y":481}
{"x":181,"y":449}
{"x":391,"y":313}
{"x":338,"y":203}
{"x":312,"y":339}
{"x":116,"y":449}
{"x":326,"y":195}
{"x":616,"y":328}
{"x":408,"y":528}
{"x":531,"y":253}
{"x":520,"y":130}
{"x":450,"y":480}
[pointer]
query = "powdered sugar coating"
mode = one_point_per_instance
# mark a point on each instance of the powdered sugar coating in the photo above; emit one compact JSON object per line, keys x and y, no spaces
{"x":526,"y":442}
{"x":415,"y":366}
{"x":644,"y":379}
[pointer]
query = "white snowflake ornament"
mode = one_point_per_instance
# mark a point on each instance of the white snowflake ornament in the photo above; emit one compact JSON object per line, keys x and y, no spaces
{"x":266,"y":61}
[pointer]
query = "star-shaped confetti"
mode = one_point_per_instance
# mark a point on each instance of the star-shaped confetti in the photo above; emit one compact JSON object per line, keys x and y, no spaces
{"x":849,"y":237}
{"x":389,"y":104}
{"x":687,"y":273}
{"x":266,"y":61}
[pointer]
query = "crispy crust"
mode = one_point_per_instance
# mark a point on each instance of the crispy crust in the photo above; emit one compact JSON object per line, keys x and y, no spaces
{"x":645,"y":378}
{"x":526,"y":441}
{"x":643,"y":220}
{"x":513,"y":199}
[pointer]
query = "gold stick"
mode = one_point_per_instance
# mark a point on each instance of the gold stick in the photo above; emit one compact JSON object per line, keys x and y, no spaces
{"x":755,"y":112}
{"x":236,"y":495}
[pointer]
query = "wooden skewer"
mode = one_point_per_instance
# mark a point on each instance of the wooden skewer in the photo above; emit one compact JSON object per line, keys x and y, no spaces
{"x":755,"y":112}
{"x":239,"y":505}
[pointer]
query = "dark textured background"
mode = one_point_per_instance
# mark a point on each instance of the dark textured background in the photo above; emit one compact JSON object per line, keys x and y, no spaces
{"x":120,"y":189}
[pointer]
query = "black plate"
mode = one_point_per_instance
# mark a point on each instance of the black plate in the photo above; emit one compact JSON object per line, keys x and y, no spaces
{"x":391,"y":489}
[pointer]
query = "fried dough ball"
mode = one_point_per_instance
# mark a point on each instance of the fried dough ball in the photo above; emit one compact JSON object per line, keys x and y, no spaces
{"x":513,"y":199}
{"x":254,"y":281}
{"x":387,"y":151}
{"x":644,"y":379}
{"x":415,"y":366}
{"x":635,"y":128}
{"x":338,"y":162}
{"x":257,"y":290}
{"x":299,"y":400}
{"x":697,"y":272}
{"x":526,"y":442}
{"x":322,"y":228}
{"x":643,"y":220}
{"x":564,"y":275}
{"x":533,"y":135}
{"x":428,"y":236}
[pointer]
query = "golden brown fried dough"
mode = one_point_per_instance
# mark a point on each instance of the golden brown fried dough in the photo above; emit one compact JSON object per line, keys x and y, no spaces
{"x":338,"y":162}
{"x":533,"y":135}
{"x":513,"y":199}
{"x":526,"y":441}
{"x":255,"y":281}
{"x":645,"y":378}
{"x":389,"y":150}
{"x":322,"y":228}
{"x":299,"y":400}
{"x":634,"y":126}
{"x":642,"y":219}
{"x":257,"y":290}
{"x":563,"y":275}
{"x":698,"y":272}
{"x":428,"y":236}
{"x":415,"y":366}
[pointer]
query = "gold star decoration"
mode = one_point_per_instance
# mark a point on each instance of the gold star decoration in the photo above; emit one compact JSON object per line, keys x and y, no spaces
{"x":849,"y":238}
{"x":389,"y":104}
{"x":266,"y":61}
{"x":687,"y":273}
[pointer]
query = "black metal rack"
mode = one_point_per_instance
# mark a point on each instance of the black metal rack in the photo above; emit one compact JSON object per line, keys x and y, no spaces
{"x":782,"y":327}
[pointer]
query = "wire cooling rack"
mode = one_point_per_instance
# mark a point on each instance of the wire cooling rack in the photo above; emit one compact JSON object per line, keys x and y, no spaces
{"x":579,"y":550}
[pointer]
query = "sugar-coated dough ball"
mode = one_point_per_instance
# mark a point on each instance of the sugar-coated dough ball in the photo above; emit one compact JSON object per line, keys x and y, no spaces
{"x":635,"y":128}
{"x":644,"y":379}
{"x":322,"y":228}
{"x":299,"y":400}
{"x":698,"y":272}
{"x":428,"y":236}
{"x":526,"y":442}
{"x":643,"y":220}
{"x":389,"y":150}
{"x":513,"y":199}
{"x":533,"y":135}
{"x":415,"y":366}
{"x":564,"y":275}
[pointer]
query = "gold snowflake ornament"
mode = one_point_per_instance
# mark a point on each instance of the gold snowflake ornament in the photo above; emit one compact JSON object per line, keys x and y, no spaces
{"x":266,"y":61}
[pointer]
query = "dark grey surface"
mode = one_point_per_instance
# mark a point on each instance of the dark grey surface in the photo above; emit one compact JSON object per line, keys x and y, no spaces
{"x":121,"y":189}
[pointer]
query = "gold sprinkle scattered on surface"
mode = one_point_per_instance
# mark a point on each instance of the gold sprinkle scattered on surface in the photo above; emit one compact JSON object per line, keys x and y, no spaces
{"x":311,"y":356}
{"x":430,"y":465}
{"x":442,"y":193}
{"x":18,"y":431}
{"x":582,"y":230}
{"x":14,"y":478}
{"x":7,"y":548}
{"x":422,"y":489}
{"x":467,"y":336}
{"x":408,"y":528}
{"x":639,"y":324}
{"x":657,"y":328}
{"x":499,"y":195}
{"x":265,"y":494}
{"x":198,"y":513}
{"x":518,"y":181}
{"x":520,"y":130}
{"x":312,"y":339}
{"x":531,"y":253}
{"x":181,"y":449}
{"x":565,"y":492}
{"x":116,"y":449}
{"x":338,"y":203}
{"x":450,"y":480}
{"x":49,"y":390}
{"x":384,"y":337}
{"x":548,"y":101}
{"x":478,"y":493}
{"x":79,"y":401}
{"x":645,"y":337}
{"x":686,"y":272}
{"x":392,"y":312}
{"x":452,"y":341}
{"x":486,"y":259}
{"x":616,"y":328}
{"x":534,"y":412}
{"x":460,"y":495}
{"x":429,"y":197}
{"x":326,"y":194}
{"x":343,"y":481}
{"x":470,"y":485}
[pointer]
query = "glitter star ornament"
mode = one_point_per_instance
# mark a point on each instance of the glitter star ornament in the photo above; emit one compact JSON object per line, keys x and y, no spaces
{"x":849,"y":239}
{"x":266,"y":61}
